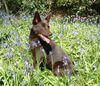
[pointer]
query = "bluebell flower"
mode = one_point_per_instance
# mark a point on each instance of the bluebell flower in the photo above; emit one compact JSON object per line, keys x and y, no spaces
{"x":65,"y":17}
{"x":75,"y":19}
{"x":5,"y":45}
{"x":28,"y":67}
{"x":34,"y":44}
{"x":87,"y":21}
{"x":65,"y":60}
{"x":6,"y":22}
{"x":12,"y":16}
{"x":16,"y":63}
{"x":75,"y":33}
{"x":82,"y":50}
{"x":25,"y":17}
{"x":26,"y":62}
{"x":12,"y":32}
{"x":18,"y":38}
{"x":94,"y":67}
{"x":18,"y":41}
{"x":14,"y":76}
{"x":28,"y":45}
{"x":98,"y":25}
{"x":23,"y":55}
{"x":77,"y":25}
{"x":76,"y":64}
{"x":9,"y":54}
{"x":41,"y":83}
{"x":61,"y":34}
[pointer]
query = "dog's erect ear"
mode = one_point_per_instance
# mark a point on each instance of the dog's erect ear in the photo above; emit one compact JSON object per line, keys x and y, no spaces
{"x":47,"y":18}
{"x":37,"y":18}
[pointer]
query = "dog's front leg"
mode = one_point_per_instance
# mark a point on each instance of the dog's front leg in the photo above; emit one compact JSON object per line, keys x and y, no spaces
{"x":34,"y":57}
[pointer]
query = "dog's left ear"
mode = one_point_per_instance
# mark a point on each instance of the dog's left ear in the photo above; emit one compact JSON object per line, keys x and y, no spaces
{"x":47,"y":18}
{"x":37,"y":18}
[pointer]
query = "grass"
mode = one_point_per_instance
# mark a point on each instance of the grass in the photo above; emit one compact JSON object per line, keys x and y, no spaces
{"x":80,"y":40}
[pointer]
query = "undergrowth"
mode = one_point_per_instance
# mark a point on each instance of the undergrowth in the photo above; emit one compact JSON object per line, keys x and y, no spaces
{"x":79,"y":39}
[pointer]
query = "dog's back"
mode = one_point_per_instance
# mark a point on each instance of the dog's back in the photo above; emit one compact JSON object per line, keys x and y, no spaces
{"x":57,"y":59}
{"x":62,"y":65}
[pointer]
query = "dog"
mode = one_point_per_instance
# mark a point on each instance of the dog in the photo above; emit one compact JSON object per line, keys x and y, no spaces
{"x":43,"y":27}
{"x":56,"y":58}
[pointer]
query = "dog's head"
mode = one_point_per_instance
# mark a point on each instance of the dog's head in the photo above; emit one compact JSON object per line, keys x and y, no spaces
{"x":41,"y":26}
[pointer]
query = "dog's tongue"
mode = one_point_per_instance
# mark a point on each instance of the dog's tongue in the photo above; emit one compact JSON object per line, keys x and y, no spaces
{"x":44,"y":38}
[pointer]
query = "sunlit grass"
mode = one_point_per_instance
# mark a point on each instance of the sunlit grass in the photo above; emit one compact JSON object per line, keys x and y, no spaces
{"x":80,"y":40}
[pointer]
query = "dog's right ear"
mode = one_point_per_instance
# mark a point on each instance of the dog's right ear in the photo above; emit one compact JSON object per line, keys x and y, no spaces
{"x":49,"y":16}
{"x":37,"y":18}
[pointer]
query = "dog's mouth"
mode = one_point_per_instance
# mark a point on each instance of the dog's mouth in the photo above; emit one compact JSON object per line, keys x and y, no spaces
{"x":44,"y":38}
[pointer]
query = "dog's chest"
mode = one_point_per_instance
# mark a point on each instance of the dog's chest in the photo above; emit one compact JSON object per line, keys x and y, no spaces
{"x":35,"y":43}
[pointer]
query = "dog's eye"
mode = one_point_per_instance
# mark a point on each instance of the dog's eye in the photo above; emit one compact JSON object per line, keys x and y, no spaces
{"x":48,"y":26}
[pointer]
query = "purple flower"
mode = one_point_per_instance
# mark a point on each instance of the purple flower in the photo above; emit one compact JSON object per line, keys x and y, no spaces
{"x":65,"y":60}
{"x":6,"y":22}
{"x":5,"y":45}
{"x":16,"y":63}
{"x":26,"y":61}
{"x":28,"y":45}
{"x":75,"y":19}
{"x":75,"y":33}
{"x":34,"y":44}
{"x":98,"y":25}
{"x":18,"y":38}
{"x":65,"y":26}
{"x":13,"y":32}
{"x":14,"y":75}
{"x":41,"y":83}
{"x":77,"y":25}
{"x":18,"y":41}
{"x":76,"y":63}
{"x":94,"y":67}
{"x":82,"y":51}
{"x":9,"y":54}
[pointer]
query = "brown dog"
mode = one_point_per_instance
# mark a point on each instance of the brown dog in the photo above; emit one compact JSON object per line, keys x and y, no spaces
{"x":57,"y":60}
{"x":41,"y":26}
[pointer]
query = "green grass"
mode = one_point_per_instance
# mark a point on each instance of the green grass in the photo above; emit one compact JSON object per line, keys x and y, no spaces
{"x":80,"y":40}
